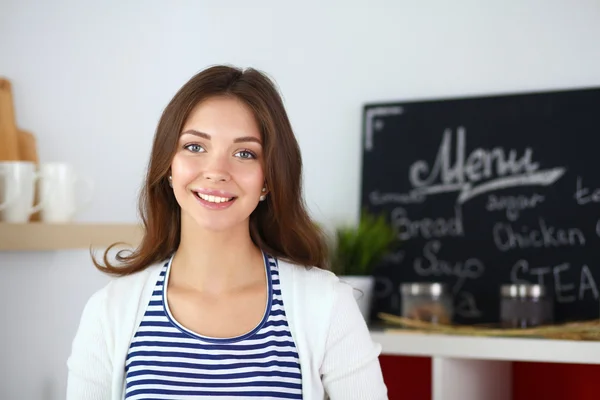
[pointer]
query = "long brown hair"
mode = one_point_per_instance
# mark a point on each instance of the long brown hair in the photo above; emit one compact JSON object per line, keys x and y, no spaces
{"x":279,"y":226}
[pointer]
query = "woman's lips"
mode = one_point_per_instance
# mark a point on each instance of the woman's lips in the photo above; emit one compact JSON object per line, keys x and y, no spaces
{"x":214,"y":199}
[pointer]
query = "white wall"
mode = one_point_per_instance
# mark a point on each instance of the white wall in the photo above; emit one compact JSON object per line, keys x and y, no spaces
{"x":91,"y":79}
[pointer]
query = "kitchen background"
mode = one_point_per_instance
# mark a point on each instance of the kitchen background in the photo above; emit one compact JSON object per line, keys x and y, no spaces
{"x":90,"y":80}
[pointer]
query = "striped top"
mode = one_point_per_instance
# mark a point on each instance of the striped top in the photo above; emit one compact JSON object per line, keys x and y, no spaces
{"x":167,"y":361}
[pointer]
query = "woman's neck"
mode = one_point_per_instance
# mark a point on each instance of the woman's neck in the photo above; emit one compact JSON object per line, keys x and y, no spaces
{"x":216,"y":262}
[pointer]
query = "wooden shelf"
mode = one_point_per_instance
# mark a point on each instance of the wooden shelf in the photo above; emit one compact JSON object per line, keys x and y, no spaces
{"x":43,"y":237}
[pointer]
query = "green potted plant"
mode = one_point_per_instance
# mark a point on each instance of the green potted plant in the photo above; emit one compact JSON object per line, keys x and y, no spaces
{"x":355,"y":250}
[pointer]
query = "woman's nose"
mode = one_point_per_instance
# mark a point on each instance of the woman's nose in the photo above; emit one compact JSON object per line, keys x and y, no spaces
{"x":217,"y":170}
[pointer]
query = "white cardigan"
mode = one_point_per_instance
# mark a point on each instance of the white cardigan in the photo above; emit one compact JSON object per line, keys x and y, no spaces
{"x":337,"y":356}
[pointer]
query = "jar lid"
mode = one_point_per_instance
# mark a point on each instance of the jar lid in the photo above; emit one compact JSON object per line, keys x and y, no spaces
{"x":523,"y":290}
{"x":423,"y":288}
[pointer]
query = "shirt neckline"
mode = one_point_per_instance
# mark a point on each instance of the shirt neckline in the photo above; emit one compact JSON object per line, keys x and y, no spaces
{"x":183,"y":329}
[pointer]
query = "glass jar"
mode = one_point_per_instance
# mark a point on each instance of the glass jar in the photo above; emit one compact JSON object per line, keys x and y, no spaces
{"x":429,"y":302}
{"x":525,"y":305}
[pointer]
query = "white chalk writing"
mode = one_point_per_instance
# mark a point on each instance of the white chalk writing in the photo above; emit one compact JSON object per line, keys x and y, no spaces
{"x":559,"y":287}
{"x":383,"y":286}
{"x":564,"y":292}
{"x":500,"y":169}
{"x":373,"y":113}
{"x":508,"y":238}
{"x":584,"y":195}
{"x":431,"y":265}
{"x":385,"y":289}
{"x":513,"y":205}
{"x":587,"y":282}
{"x":379,"y":199}
{"x":466,"y":306}
{"x":426,"y":228}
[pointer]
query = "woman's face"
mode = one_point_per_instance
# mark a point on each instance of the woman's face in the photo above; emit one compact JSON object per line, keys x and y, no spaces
{"x":217,"y":173}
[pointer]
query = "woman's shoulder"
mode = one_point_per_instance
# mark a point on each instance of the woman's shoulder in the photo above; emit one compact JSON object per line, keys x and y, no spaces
{"x":307,"y":274}
{"x":124,"y":289}
{"x":320,"y":301}
{"x":311,"y":284}
{"x":135,"y":280}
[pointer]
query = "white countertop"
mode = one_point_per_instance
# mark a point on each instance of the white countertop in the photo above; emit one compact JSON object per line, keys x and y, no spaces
{"x":487,"y":348}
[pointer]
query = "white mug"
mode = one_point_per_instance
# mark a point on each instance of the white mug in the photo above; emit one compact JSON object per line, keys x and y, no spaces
{"x":17,"y":191}
{"x":61,"y":192}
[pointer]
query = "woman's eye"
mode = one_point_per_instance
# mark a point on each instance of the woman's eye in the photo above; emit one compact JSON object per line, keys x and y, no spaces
{"x":245,"y":154}
{"x":194,"y":148}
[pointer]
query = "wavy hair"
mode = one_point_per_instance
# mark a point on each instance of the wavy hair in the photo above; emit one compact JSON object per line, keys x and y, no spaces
{"x":279,"y":226}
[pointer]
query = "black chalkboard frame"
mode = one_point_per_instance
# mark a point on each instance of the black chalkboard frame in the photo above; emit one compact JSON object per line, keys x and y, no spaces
{"x":551,"y":182}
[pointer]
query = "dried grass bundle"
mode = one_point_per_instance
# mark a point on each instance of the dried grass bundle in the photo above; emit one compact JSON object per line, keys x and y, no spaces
{"x":584,"y":330}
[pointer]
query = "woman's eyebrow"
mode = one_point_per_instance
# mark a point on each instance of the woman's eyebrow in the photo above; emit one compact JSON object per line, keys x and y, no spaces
{"x":236,"y":140}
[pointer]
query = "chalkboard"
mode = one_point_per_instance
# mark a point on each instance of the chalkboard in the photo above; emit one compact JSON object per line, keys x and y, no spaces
{"x":488,"y":190}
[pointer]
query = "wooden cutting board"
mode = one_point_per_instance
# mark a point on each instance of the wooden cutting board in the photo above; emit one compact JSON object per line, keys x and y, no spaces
{"x":27,"y":146}
{"x":9,"y":138}
{"x":15,"y":144}
{"x":28,"y":152}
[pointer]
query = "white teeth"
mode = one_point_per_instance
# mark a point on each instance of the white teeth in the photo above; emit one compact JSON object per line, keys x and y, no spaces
{"x":213,"y":199}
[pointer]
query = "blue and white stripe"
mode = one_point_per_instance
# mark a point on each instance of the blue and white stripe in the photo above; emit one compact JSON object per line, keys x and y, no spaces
{"x":168,"y":361}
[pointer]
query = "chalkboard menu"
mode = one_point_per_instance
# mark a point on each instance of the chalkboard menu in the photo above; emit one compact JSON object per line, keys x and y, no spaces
{"x":484,"y":191}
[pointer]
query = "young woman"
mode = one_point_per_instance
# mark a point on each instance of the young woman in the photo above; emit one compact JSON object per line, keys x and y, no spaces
{"x":227,"y":296}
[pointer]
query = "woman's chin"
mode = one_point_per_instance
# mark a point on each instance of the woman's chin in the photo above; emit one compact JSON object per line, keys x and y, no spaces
{"x":217,"y":224}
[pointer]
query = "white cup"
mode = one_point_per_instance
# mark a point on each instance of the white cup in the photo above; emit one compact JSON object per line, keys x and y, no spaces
{"x":63,"y":191}
{"x":17,"y":191}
